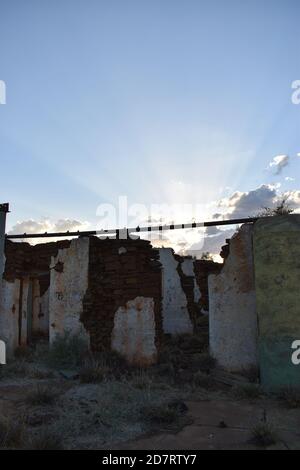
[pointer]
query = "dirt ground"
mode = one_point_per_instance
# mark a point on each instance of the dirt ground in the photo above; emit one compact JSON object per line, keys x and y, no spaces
{"x":183,"y":402}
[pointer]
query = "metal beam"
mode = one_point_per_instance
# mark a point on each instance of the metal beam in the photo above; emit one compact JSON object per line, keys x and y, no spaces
{"x":122,"y":233}
{"x":4,"y":208}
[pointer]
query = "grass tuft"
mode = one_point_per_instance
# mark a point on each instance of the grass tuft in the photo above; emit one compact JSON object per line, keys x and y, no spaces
{"x":291,"y":397}
{"x":41,"y":395}
{"x":248,"y":390}
{"x":203,"y":380}
{"x":263,"y":435}
{"x":46,"y":440}
{"x":11,"y":433}
{"x":93,"y":371}
{"x":67,"y":351}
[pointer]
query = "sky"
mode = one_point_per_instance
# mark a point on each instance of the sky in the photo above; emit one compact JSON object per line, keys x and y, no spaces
{"x":159,"y":101}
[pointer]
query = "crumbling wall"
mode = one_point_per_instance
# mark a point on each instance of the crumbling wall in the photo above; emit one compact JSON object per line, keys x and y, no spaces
{"x":232,"y":311}
{"x":178,"y":294}
{"x":68,"y":285}
{"x":122,"y":306}
{"x":23,"y":298}
{"x":202,"y":269}
{"x":277,"y":279}
{"x":9,"y":314}
{"x":133,"y":334}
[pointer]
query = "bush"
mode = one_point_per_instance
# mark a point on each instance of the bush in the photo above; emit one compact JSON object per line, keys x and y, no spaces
{"x":41,"y":395}
{"x":23,"y":352}
{"x":291,"y":397}
{"x":263,"y":435}
{"x":141,"y":380}
{"x":18,"y":368}
{"x":159,"y":414}
{"x":11,"y":433}
{"x":67,"y":351}
{"x":282,"y":208}
{"x":46,"y":440}
{"x":248,"y":390}
{"x":205,"y":362}
{"x":93,"y":372}
{"x":202,"y":380}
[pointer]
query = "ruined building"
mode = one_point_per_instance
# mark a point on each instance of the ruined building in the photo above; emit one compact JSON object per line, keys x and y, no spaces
{"x":254,"y":316}
{"x":126,"y":295}
{"x":117,"y":294}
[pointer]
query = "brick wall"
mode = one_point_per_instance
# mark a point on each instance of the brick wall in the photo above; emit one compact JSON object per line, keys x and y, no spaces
{"x":119,"y":272}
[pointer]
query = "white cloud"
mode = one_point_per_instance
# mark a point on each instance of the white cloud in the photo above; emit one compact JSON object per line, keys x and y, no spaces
{"x":278,"y":163}
{"x":288,"y":178}
{"x":193,"y":241}
{"x":46,"y":225}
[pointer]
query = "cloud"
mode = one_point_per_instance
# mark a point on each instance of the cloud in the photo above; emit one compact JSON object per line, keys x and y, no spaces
{"x":211,"y":244}
{"x":288,"y":178}
{"x":193,"y":241}
{"x":247,"y":204}
{"x":278,"y":163}
{"x":46,"y":225}
{"x":243,"y":205}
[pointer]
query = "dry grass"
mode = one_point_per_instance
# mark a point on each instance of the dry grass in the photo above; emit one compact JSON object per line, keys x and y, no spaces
{"x":247,"y":391}
{"x":263,"y":435}
{"x":41,"y":395}
{"x":290,"y":397}
{"x":93,"y":371}
{"x":24,"y":352}
{"x":45,"y":440}
{"x":67,"y":351}
{"x":203,"y":380}
{"x":11,"y":433}
{"x":159,"y":414}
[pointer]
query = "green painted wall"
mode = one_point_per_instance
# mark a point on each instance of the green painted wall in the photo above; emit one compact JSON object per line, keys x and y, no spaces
{"x":276,"y":244}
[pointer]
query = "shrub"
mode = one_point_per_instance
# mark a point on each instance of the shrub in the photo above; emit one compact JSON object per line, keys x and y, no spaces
{"x":93,"y":372}
{"x":46,"y":440}
{"x":282,"y":208}
{"x":205,"y":362}
{"x":23,"y":352}
{"x":291,"y":397}
{"x":263,"y":435}
{"x":67,"y":350}
{"x":141,"y":380}
{"x":203,"y":380}
{"x":11,"y":433}
{"x":159,"y":414}
{"x":41,"y":395}
{"x":248,"y":390}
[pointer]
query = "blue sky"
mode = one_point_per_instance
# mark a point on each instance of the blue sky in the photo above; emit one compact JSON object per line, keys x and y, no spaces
{"x":124,"y":97}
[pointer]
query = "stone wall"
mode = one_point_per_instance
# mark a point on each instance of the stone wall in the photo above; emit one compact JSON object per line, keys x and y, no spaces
{"x":232,"y":310}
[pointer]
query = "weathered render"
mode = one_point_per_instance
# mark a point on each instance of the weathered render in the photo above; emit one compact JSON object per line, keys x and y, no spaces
{"x":24,"y":312}
{"x":277,"y":279}
{"x":232,"y":312}
{"x":9,"y":314}
{"x":117,"y":294}
{"x":176,"y":316}
{"x":68,"y":285}
{"x":134,"y":332}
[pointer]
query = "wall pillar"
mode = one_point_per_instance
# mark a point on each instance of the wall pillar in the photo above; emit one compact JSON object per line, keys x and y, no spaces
{"x":4,"y":208}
